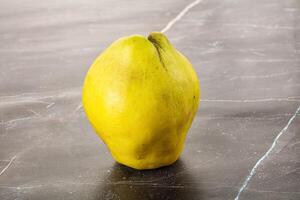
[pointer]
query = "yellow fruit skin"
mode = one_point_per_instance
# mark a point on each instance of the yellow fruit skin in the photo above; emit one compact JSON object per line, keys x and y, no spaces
{"x":141,"y":95}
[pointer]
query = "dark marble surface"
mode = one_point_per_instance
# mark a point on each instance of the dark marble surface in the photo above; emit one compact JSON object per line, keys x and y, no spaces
{"x":246,"y":54}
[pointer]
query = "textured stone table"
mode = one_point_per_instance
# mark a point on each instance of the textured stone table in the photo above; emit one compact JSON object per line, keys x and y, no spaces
{"x":246,"y":54}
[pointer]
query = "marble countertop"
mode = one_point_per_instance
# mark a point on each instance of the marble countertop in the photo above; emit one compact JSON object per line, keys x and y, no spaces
{"x":244,"y":142}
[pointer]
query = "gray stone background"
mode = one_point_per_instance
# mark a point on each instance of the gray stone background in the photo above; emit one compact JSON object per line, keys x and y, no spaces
{"x":246,"y":54}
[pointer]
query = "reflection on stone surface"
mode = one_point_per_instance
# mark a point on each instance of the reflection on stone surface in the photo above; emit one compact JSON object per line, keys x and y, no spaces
{"x":171,"y":182}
